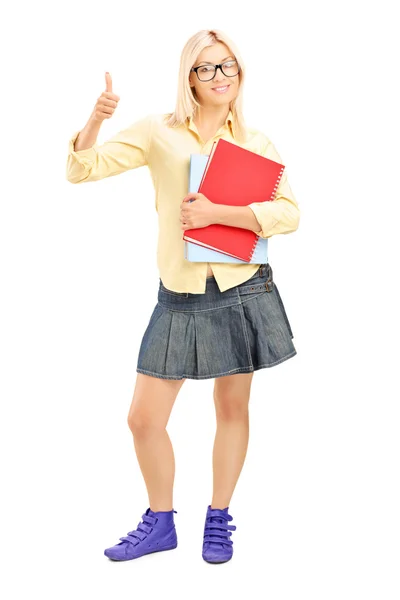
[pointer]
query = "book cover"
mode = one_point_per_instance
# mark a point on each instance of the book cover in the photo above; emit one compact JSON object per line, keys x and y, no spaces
{"x":235,"y":176}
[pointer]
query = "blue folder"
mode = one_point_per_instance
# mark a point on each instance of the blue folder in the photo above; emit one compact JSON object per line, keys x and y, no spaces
{"x":196,"y":253}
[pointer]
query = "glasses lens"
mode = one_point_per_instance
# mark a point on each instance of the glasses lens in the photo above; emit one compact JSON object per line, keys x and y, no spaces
{"x":231,"y":68}
{"x":205,"y":72}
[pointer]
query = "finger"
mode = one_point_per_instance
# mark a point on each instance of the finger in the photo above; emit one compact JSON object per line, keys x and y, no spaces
{"x":111,"y":96}
{"x":108,"y":82}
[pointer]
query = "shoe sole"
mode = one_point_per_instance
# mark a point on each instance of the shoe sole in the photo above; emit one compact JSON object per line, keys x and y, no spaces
{"x":144,"y":554}
{"x":216,"y":562}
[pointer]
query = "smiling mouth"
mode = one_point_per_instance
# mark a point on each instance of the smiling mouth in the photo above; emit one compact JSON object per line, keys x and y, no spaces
{"x":221,"y":89}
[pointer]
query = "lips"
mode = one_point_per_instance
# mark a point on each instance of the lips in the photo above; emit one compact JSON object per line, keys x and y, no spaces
{"x":221,"y":89}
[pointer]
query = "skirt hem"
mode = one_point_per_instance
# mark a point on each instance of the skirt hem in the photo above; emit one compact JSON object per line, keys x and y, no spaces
{"x":239,"y":370}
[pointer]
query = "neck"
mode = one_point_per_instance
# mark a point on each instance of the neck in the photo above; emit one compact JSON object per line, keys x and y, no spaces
{"x":211,"y":116}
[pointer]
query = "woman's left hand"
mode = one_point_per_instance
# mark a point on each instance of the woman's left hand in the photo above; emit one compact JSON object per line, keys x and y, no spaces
{"x":200,"y":213}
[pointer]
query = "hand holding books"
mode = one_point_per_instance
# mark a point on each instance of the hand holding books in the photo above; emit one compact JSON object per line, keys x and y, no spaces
{"x":197,"y":211}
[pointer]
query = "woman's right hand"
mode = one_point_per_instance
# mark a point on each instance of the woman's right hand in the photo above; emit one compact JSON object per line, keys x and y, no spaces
{"x":106,"y":103}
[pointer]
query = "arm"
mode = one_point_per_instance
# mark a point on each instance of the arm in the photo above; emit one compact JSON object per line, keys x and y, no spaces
{"x":236,"y":216}
{"x":128,"y":149}
{"x":88,"y":136}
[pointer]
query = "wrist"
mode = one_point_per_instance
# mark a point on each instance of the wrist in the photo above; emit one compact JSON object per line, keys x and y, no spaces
{"x":93,"y":124}
{"x":222,"y":211}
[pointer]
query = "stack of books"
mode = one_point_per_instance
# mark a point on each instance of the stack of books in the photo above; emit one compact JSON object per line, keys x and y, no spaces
{"x":233,"y":176}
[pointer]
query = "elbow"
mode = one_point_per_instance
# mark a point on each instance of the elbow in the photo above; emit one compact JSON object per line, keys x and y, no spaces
{"x":76,"y":172}
{"x":292,"y":221}
{"x":287,"y":223}
{"x":73,"y":175}
{"x":72,"y":179}
{"x":76,"y":175}
{"x":295,"y":219}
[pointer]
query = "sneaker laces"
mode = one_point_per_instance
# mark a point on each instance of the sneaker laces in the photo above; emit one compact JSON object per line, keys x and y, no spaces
{"x":216,"y":530}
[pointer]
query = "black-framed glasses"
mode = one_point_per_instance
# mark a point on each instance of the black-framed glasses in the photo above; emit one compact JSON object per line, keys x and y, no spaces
{"x":230,"y":68}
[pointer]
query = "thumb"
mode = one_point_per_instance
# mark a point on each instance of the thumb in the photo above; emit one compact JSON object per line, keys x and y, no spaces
{"x":191,"y":197}
{"x":108,"y":82}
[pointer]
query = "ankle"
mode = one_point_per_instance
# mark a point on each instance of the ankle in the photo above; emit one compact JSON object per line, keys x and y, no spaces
{"x":220,"y":502}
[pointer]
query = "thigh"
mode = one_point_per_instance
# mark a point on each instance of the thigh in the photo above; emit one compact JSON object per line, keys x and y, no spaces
{"x":232,"y":392}
{"x":153,"y":399}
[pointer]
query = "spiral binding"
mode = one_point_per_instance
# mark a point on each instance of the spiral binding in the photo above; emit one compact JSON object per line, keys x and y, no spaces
{"x":277,"y":184}
{"x":253,"y":248}
{"x":273,"y":194}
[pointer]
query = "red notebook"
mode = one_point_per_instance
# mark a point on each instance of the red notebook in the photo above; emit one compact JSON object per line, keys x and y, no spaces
{"x":235,"y":176}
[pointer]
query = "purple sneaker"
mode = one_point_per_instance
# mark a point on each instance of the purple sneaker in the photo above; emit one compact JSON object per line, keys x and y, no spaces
{"x":157,"y":532}
{"x":217,"y":545}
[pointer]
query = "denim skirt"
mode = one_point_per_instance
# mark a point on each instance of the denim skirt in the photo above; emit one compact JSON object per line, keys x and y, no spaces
{"x":200,"y":336}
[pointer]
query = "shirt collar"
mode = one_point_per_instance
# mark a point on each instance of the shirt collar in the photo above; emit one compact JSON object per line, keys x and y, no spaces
{"x":228,"y":122}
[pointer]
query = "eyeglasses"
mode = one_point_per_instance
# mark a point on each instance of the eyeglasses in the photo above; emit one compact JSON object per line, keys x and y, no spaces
{"x":207,"y":72}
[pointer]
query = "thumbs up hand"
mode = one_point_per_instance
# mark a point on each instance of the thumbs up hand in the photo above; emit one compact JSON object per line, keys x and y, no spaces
{"x":106,"y":103}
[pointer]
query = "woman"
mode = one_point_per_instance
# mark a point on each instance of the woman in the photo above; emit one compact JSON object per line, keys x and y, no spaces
{"x":219,"y":320}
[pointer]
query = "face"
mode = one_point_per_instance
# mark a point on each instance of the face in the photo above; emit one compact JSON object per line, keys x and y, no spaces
{"x":205,"y":90}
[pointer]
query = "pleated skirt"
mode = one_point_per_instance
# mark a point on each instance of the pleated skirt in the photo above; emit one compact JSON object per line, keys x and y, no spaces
{"x":201,"y":336}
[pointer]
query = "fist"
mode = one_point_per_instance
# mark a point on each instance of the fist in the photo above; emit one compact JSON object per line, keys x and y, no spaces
{"x":106,"y":103}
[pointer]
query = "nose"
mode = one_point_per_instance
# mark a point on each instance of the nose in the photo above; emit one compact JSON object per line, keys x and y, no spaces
{"x":219,"y":76}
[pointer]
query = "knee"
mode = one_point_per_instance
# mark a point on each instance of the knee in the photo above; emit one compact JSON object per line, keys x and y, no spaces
{"x":231,"y":407}
{"x":141,"y":425}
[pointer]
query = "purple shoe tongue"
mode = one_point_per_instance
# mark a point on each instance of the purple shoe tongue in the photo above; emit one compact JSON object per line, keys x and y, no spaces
{"x":218,"y":519}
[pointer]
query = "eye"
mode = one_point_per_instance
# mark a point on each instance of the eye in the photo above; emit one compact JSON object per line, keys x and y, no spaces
{"x":206,"y":68}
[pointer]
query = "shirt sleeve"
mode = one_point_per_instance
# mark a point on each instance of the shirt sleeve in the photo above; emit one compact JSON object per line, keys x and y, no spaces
{"x":281,"y":215}
{"x":127,"y":149}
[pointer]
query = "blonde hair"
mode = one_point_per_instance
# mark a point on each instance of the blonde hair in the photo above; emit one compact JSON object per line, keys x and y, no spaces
{"x":187,"y":102}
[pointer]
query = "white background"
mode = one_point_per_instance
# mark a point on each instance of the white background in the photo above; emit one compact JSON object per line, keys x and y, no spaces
{"x":316,"y":506}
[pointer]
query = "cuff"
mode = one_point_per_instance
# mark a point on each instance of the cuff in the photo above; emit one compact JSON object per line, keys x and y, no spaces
{"x":84,"y":157}
{"x":264,"y":217}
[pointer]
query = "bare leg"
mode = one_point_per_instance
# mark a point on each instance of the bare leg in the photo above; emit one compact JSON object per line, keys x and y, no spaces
{"x":231,"y":398}
{"x":148,"y":416}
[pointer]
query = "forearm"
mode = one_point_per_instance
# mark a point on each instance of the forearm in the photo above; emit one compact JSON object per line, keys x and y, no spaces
{"x":237,"y":216}
{"x":88,"y":136}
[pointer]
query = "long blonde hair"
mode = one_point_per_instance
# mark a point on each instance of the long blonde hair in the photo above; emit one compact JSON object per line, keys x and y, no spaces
{"x":186,"y":101}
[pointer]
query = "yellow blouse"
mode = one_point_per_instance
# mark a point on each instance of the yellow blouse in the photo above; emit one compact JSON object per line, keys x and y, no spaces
{"x":166,"y":151}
